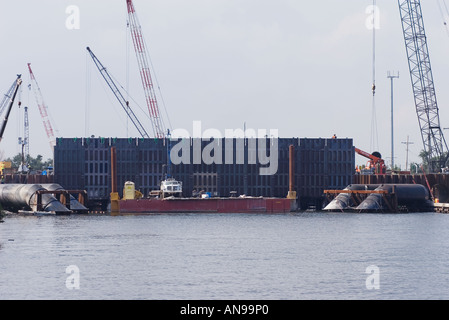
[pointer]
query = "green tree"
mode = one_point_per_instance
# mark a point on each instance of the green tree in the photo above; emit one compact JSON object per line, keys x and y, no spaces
{"x":415,"y":168}
{"x":425,"y":160}
{"x":34,"y":163}
{"x":432,"y":164}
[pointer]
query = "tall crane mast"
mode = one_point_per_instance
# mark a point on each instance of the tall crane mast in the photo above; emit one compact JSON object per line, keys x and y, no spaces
{"x":26,"y":138}
{"x":422,"y":83}
{"x":42,"y":109}
{"x":9,"y":97}
{"x":145,"y":74}
{"x":118,"y":95}
{"x":24,"y":143}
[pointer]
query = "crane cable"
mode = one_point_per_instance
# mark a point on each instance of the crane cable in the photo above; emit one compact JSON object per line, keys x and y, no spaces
{"x":374,"y":143}
{"x":128,"y":45}
{"x":443,"y":14}
{"x":19,"y":117}
{"x":88,"y":96}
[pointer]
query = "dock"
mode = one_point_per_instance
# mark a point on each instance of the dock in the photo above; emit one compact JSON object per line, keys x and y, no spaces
{"x":441,"y":207}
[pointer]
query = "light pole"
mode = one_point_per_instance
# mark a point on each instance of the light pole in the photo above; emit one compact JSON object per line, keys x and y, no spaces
{"x":392,"y":77}
{"x":407,"y":143}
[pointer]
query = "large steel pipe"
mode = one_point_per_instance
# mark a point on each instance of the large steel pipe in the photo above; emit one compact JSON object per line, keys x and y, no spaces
{"x":413,"y":196}
{"x":16,"y":197}
{"x":345,"y":200}
{"x":75,"y":205}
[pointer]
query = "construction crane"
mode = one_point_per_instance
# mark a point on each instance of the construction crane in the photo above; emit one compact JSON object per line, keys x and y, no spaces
{"x":24,"y":142}
{"x":42,"y":109}
{"x":435,"y":146}
{"x":9,"y":97}
{"x":375,"y":161}
{"x":123,"y":102}
{"x":26,"y":139}
{"x":145,"y":74}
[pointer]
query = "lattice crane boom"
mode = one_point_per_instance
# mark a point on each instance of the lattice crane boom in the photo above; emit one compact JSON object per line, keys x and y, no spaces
{"x":7,"y":97}
{"x":118,"y":95}
{"x":422,"y":83}
{"x":145,"y":74}
{"x":42,"y":109}
{"x":8,"y":102}
{"x":26,"y":138}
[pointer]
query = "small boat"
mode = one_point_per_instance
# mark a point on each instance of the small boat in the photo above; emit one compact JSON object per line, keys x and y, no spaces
{"x":171,"y":188}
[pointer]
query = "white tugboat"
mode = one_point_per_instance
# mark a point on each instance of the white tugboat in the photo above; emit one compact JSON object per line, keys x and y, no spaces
{"x":170,"y":187}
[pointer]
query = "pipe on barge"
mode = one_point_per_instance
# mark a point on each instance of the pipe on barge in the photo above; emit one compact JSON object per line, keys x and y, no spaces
{"x":411,"y":196}
{"x":17,"y":197}
{"x":75,"y":205}
{"x":345,"y":200}
{"x":381,"y":198}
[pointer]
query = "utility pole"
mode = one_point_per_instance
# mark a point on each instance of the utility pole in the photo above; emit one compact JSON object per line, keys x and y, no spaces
{"x":392,"y":77}
{"x":406,"y":158}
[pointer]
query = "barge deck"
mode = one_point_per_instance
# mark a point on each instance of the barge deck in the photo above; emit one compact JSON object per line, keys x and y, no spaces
{"x":210,"y":205}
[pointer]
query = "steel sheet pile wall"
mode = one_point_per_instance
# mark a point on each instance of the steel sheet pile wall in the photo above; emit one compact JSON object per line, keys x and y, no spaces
{"x":84,"y":164}
{"x":323,"y":164}
{"x":438,"y":183}
{"x":17,"y":178}
{"x":320,"y":164}
{"x":239,"y":170}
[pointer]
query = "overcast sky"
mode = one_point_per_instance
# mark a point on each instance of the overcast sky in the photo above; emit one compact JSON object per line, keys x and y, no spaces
{"x":302,"y":67}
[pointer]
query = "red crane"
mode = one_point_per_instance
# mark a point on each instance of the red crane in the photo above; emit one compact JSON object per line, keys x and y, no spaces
{"x":42,"y":109}
{"x":145,"y":74}
{"x":375,"y":161}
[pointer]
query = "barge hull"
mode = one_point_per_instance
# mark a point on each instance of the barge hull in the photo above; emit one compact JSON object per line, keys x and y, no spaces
{"x":212,"y":205}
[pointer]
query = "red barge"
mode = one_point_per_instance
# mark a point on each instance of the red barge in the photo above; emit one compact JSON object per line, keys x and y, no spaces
{"x":169,"y":200}
{"x":209,"y":205}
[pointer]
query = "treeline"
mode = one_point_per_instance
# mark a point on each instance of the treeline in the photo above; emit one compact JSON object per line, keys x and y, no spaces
{"x":33,"y":163}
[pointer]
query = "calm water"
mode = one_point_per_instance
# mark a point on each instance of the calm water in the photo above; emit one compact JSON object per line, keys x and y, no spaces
{"x":291,"y":257}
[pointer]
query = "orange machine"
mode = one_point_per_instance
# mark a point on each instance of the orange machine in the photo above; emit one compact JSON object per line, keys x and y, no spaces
{"x":375,"y":161}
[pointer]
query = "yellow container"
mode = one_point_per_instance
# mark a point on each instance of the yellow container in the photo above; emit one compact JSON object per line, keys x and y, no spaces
{"x":129,"y":191}
{"x":5,"y":165}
